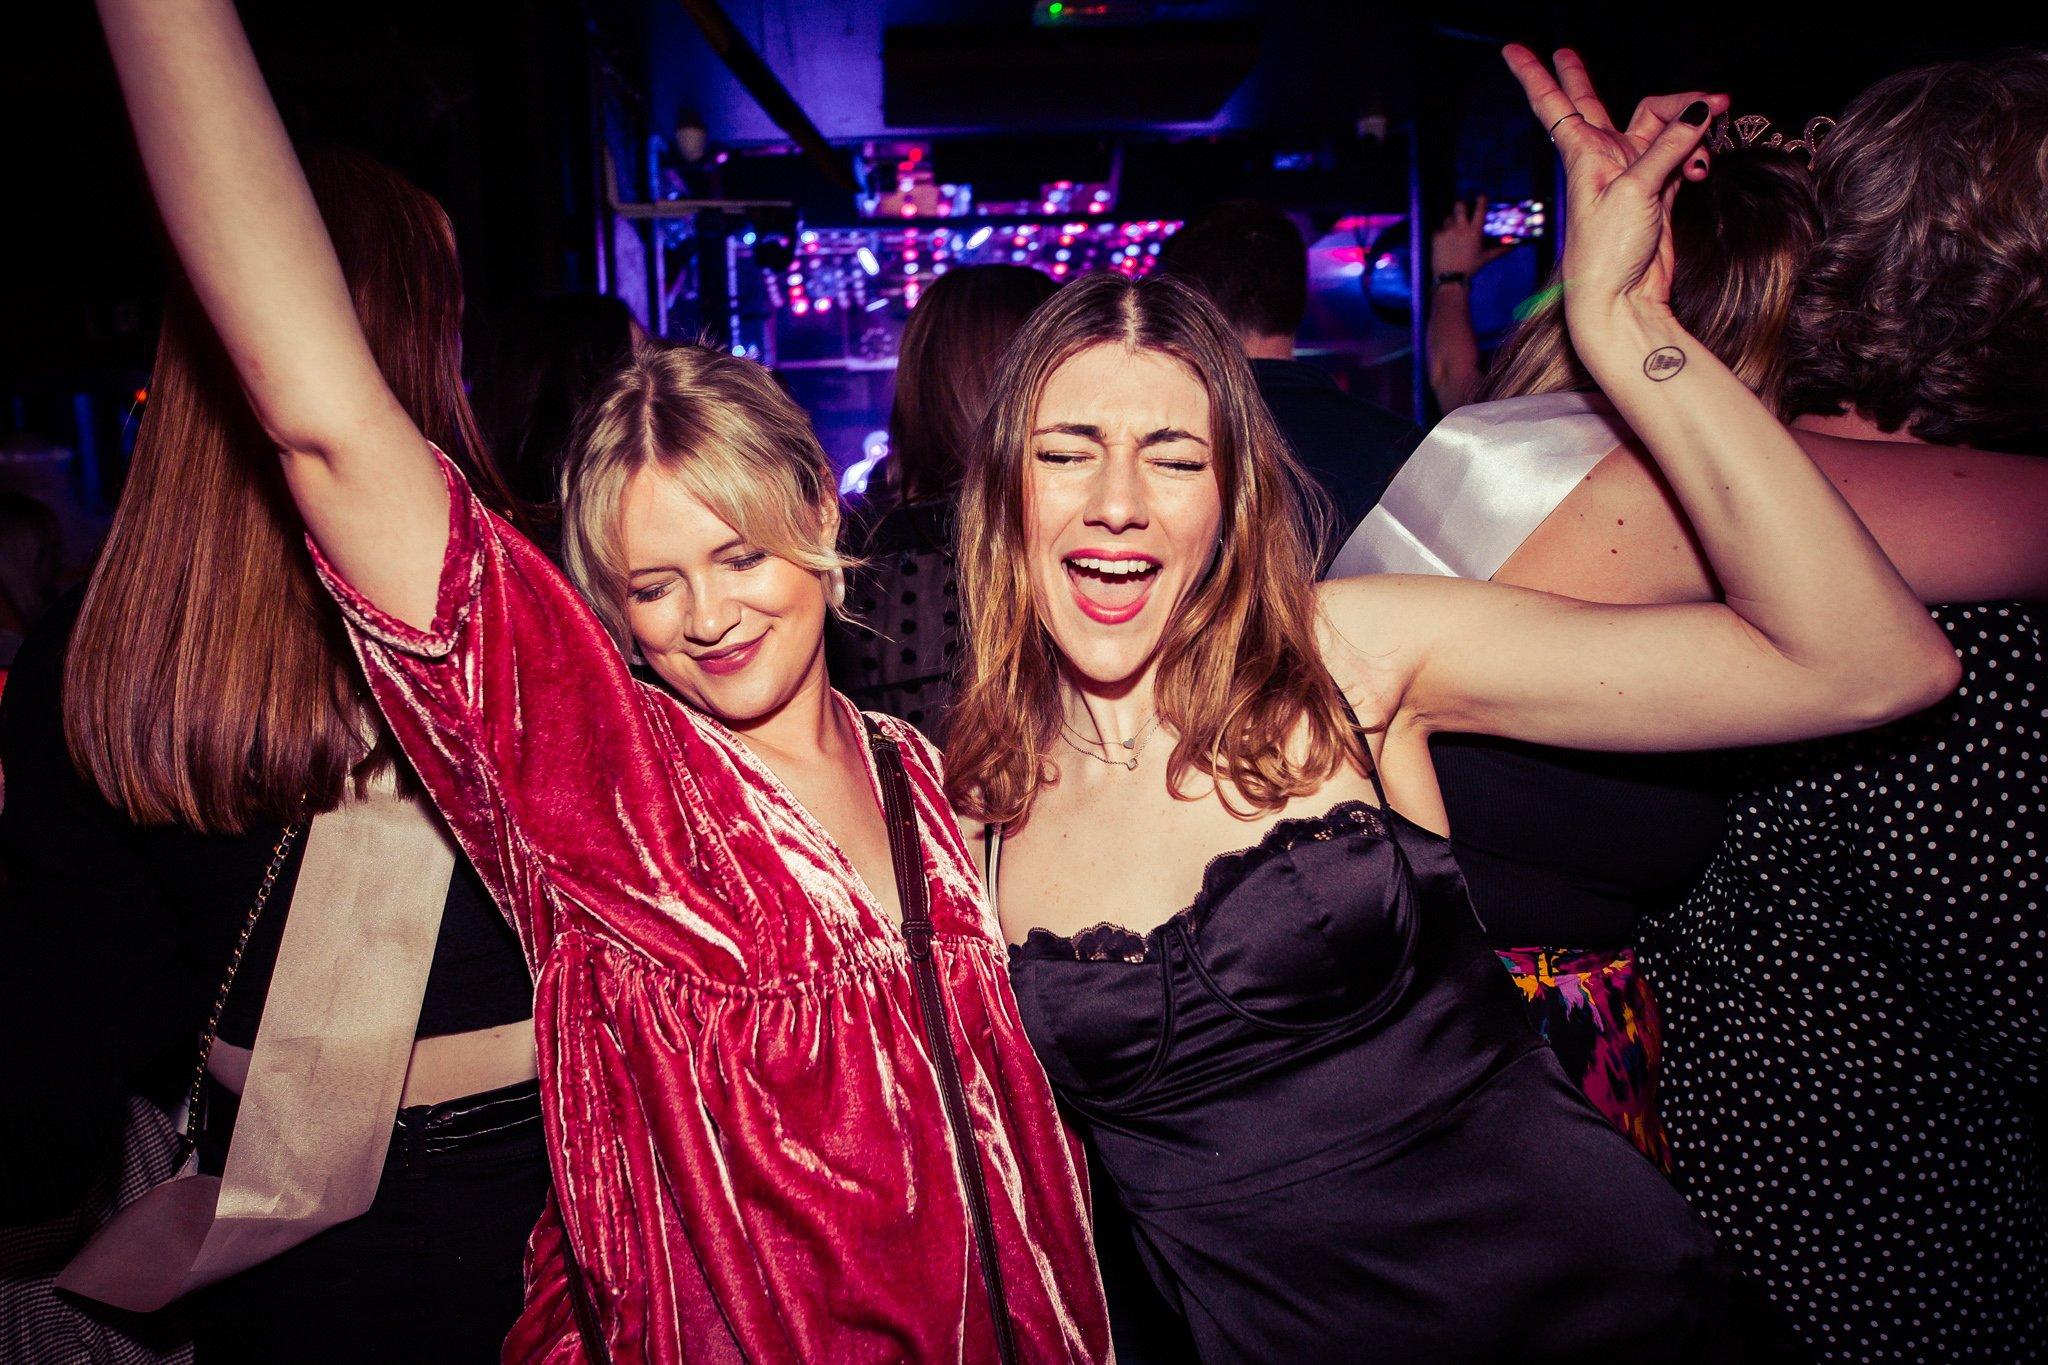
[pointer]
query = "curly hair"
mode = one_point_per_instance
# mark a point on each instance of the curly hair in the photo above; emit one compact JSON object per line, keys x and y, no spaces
{"x":1925,"y":307}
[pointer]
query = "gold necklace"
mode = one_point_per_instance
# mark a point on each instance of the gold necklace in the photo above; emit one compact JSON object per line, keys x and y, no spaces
{"x":1133,"y":747}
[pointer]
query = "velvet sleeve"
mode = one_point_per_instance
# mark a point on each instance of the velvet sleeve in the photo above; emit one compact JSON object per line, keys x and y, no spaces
{"x":542,"y":752}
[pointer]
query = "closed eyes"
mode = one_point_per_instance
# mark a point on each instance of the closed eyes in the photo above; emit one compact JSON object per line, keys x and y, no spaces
{"x":739,"y":563}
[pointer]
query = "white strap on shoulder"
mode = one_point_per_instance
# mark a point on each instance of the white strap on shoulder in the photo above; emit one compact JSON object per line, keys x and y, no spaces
{"x":332,"y":1048}
{"x":1480,"y":484}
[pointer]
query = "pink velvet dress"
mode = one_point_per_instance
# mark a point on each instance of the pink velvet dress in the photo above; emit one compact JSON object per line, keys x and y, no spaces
{"x":751,"y":1155}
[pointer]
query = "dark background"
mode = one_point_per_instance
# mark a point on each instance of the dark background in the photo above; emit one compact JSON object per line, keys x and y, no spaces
{"x":498,"y":109}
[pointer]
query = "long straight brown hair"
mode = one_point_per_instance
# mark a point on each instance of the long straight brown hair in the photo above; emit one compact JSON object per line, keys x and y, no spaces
{"x":208,"y":683}
{"x":1240,"y":672}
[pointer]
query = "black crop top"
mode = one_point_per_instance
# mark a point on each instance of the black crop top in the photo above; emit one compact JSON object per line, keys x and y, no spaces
{"x":478,"y":979}
{"x":1565,"y":848}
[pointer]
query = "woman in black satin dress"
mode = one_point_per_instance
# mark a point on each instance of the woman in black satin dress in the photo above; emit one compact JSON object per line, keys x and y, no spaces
{"x":1312,"y":1087}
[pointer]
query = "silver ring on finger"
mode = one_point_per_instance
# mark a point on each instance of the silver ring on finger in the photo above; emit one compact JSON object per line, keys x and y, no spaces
{"x":1554,"y":127}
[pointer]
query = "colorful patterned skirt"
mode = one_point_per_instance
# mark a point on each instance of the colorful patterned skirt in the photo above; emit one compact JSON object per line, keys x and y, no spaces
{"x":1596,"y":1012}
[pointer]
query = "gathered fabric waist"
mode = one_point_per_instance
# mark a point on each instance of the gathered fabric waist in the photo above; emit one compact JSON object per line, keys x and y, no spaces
{"x":886,"y":953}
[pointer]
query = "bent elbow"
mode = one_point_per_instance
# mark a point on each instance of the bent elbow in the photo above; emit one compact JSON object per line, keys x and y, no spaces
{"x":313,"y":427}
{"x":299,"y":442}
{"x":1906,"y":688}
{"x":1944,"y":675}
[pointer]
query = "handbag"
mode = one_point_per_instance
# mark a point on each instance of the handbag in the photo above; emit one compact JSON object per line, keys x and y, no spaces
{"x":38,"y":1325}
{"x":138,"y":1258}
{"x":327,"y":1071}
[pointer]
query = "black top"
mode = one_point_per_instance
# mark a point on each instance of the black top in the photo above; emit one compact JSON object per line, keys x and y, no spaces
{"x":1352,"y":448}
{"x":1564,"y":848}
{"x":1567,"y":848}
{"x":1856,"y":1010}
{"x":1316,"y":1095}
{"x":117,"y":936}
{"x":901,"y":652}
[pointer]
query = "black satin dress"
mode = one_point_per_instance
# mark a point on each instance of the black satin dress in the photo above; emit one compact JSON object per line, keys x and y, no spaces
{"x":1336,"y":1136}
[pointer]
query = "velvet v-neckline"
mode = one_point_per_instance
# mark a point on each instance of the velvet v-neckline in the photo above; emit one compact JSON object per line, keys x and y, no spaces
{"x":759,"y":768}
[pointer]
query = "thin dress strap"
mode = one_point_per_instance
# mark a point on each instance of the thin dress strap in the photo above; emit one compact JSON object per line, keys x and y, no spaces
{"x":1372,"y":769}
{"x":992,"y":856}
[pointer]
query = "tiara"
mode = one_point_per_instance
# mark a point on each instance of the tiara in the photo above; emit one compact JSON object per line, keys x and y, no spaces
{"x":1746,"y":131}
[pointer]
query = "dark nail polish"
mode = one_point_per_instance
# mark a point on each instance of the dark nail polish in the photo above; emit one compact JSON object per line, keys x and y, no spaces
{"x":1695,"y":113}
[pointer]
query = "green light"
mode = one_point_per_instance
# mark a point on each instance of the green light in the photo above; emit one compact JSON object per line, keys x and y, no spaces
{"x":1054,"y":8}
{"x":1539,"y":301}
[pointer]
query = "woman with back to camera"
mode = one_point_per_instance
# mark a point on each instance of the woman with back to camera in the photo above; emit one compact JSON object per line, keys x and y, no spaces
{"x":1859,"y":1024}
{"x":903,"y":656}
{"x":1855,"y":1032}
{"x":1758,"y":1040}
{"x":158,"y":737}
{"x":1312,"y":1085}
{"x":790,"y":1108}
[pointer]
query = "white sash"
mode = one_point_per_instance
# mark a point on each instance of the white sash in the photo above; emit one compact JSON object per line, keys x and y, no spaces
{"x":325,"y":1077}
{"x":335,"y":1039}
{"x":1480,"y":484}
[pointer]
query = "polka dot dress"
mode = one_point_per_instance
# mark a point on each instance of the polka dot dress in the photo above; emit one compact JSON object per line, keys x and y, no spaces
{"x":901,"y":655}
{"x":1856,"y":1007}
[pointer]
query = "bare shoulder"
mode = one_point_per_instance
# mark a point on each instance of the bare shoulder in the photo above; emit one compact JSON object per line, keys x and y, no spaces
{"x":1619,"y":536}
{"x":975,"y":835}
{"x":1373,"y":630}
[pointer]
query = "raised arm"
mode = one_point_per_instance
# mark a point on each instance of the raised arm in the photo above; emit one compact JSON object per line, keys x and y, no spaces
{"x":1960,"y":525}
{"x":252,"y":243}
{"x":1817,"y":633}
{"x":1458,"y":248}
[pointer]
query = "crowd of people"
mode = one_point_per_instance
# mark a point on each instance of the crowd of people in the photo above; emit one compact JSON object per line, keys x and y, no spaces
{"x":1193,"y":867}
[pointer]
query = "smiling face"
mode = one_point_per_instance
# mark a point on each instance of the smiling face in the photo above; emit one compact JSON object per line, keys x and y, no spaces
{"x":1122,"y":506}
{"x":738,"y":632}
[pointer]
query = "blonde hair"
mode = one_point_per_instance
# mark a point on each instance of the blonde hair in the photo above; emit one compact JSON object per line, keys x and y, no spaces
{"x":1240,"y":671}
{"x":723,"y":428}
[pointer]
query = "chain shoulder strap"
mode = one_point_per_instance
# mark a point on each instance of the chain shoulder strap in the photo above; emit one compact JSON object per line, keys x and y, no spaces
{"x":280,"y":853}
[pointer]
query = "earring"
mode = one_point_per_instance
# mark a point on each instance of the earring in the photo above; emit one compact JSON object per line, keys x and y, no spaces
{"x":835,"y":588}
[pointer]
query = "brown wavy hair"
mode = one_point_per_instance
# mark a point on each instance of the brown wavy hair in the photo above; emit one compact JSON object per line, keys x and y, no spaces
{"x":1926,"y":305}
{"x":1240,"y":674}
{"x":1741,"y":239}
{"x":207,"y":682}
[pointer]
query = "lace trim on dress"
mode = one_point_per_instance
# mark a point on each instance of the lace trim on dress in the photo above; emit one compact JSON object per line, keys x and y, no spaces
{"x":1109,"y":941}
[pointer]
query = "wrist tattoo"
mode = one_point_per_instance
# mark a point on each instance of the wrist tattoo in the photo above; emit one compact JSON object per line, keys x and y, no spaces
{"x":1663,"y":362}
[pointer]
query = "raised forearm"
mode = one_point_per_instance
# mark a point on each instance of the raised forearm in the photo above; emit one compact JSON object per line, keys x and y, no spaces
{"x":1792,"y":559}
{"x":253,"y":244}
{"x":1453,"y":347}
{"x":240,"y":216}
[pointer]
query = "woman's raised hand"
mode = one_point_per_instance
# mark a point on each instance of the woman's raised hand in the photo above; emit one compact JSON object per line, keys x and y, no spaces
{"x":1619,"y":183}
{"x":1816,"y":634}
